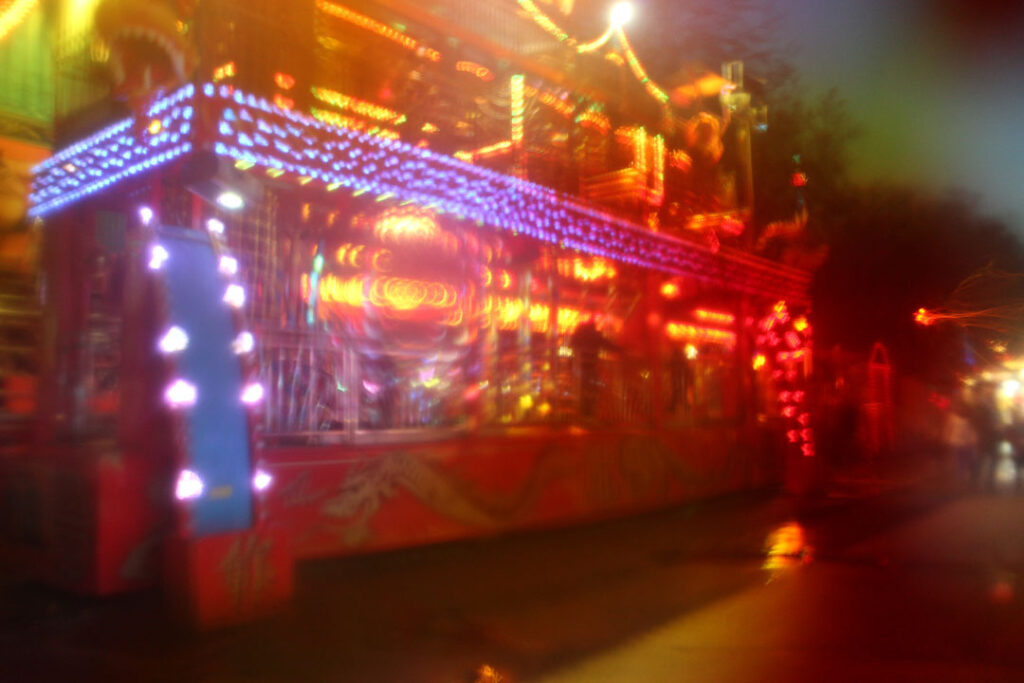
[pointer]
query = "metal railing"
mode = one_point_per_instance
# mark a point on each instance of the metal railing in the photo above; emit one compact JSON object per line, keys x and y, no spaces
{"x":322,"y":388}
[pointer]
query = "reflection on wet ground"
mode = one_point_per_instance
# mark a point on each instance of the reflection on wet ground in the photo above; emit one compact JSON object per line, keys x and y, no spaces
{"x":919,"y":585}
{"x":787,"y":548}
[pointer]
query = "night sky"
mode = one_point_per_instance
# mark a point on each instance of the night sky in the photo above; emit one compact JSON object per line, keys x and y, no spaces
{"x":937,"y":85}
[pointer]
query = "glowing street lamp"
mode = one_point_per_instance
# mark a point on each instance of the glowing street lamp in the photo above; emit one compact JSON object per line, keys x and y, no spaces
{"x":621,"y":13}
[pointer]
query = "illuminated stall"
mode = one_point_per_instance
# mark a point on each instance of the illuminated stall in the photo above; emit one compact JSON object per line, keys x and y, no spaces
{"x":318,"y":322}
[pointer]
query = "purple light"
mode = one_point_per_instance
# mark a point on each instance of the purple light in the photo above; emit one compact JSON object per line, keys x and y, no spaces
{"x":345,"y":158}
{"x":262,"y":480}
{"x":252,"y":394}
{"x":180,"y":394}
{"x":189,"y":486}
{"x":113,"y":154}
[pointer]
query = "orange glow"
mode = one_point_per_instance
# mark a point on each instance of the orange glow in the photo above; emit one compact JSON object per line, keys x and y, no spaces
{"x":358,"y":106}
{"x":787,"y":545}
{"x":13,"y":14}
{"x":402,"y":294}
{"x":542,"y":20}
{"x":333,"y":118}
{"x":282,"y":102}
{"x":374,"y":26}
{"x":224,"y":71}
{"x":638,"y":70}
{"x":284,"y":81}
{"x":587,"y":269}
{"x":801,"y":324}
{"x":923,"y":317}
{"x":678,"y":331}
{"x":714,"y":317}
{"x":491,"y":150}
{"x":592,"y":118}
{"x":401,"y":226}
{"x":550,"y":100}
{"x":478,"y":70}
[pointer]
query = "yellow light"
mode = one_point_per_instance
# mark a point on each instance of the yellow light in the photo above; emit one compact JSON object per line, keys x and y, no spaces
{"x":670,"y":290}
{"x":358,"y":106}
{"x":759,"y":361}
{"x":800,"y":324}
{"x":714,"y":317}
{"x":517,"y":106}
{"x":478,"y":70}
{"x":374,"y":26}
{"x":154,"y":127}
{"x":691,"y":351}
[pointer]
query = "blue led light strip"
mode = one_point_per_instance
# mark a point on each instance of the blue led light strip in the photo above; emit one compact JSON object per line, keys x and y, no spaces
{"x":115,"y":153}
{"x":254,"y":131}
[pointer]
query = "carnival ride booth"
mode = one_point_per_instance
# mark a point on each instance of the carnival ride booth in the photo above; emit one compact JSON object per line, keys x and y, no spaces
{"x":334,"y":342}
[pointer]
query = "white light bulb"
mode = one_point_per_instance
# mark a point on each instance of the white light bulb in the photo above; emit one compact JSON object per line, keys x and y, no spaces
{"x":244,"y":343}
{"x":234,"y":296}
{"x":262,"y":480}
{"x":145,"y":214}
{"x":175,"y":339}
{"x":228,"y":265}
{"x":180,"y":394}
{"x":215,"y":225}
{"x":621,"y":13}
{"x":189,"y":485}
{"x":157,"y":256}
{"x":230,"y":200}
{"x":252,"y":394}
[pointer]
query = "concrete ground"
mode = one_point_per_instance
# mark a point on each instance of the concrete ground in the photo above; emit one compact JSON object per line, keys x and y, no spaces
{"x":876,"y":581}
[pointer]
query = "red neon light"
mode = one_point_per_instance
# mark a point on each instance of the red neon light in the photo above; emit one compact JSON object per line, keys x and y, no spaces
{"x":284,"y":81}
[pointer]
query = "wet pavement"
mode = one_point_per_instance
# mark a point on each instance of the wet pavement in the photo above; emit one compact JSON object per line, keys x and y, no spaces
{"x":875,"y":581}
